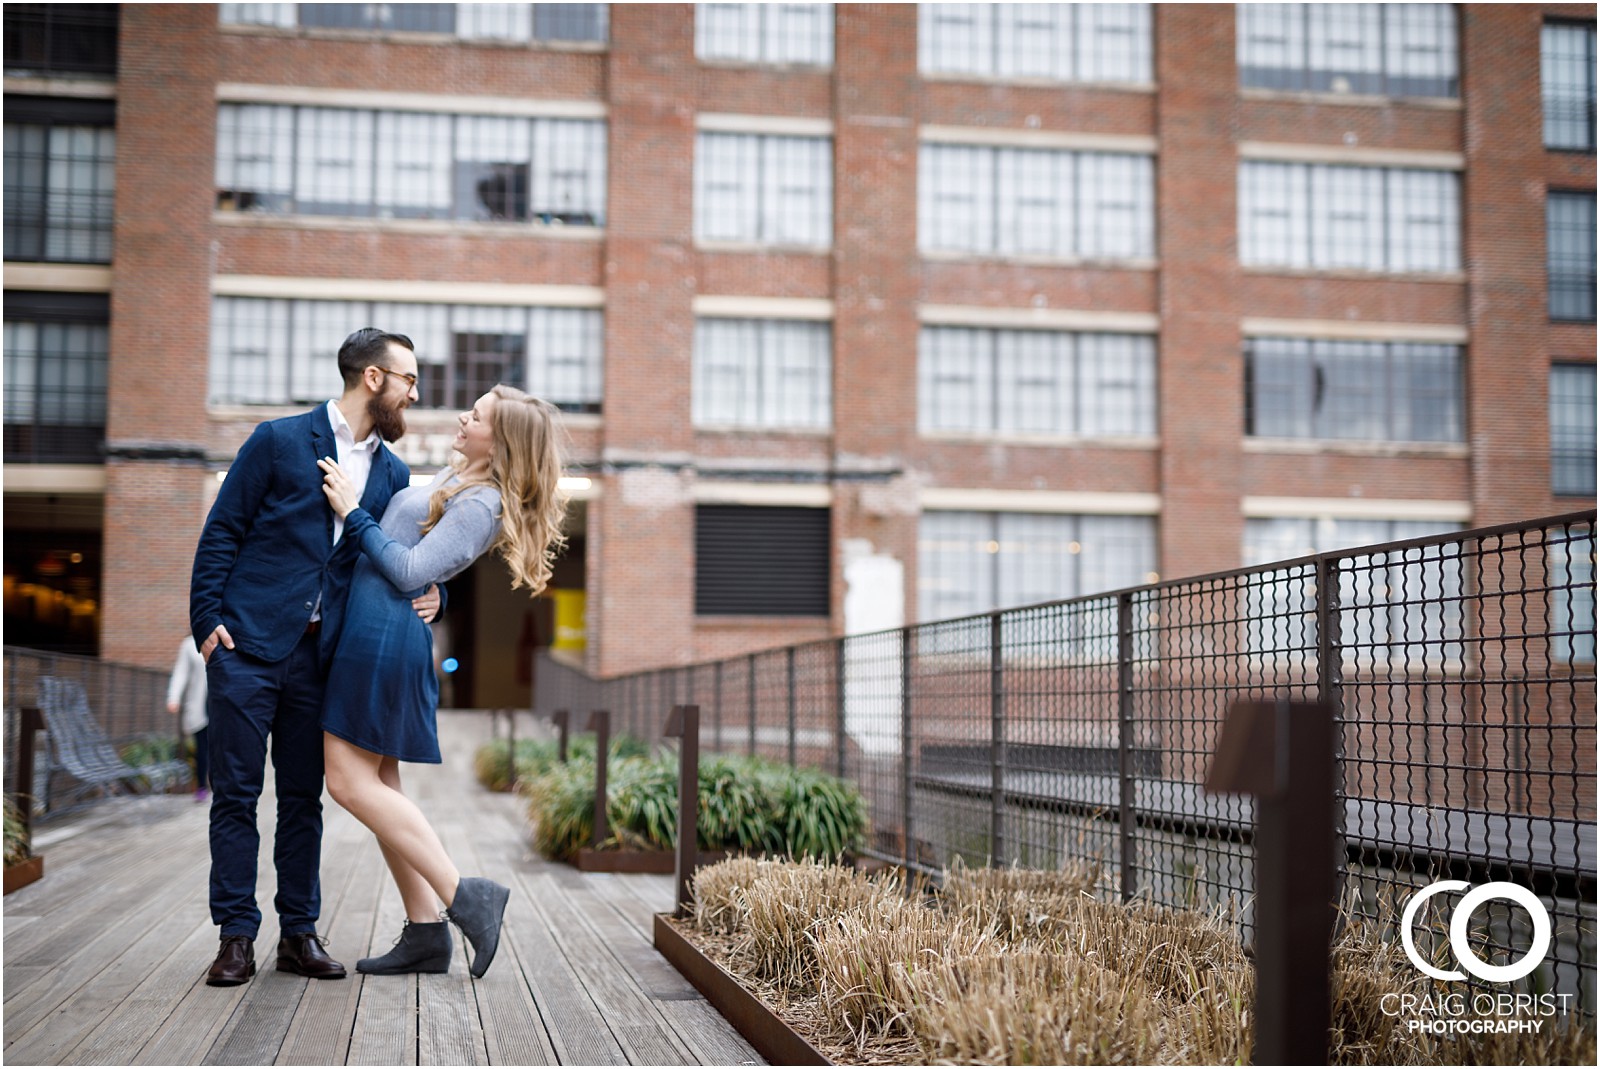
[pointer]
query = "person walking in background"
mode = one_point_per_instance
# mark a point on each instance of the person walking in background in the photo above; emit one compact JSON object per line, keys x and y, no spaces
{"x":500,"y":492}
{"x":186,"y":692}
{"x":270,"y":577}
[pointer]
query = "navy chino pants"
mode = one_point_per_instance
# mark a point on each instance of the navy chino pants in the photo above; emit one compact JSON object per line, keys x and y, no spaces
{"x":251,"y":701}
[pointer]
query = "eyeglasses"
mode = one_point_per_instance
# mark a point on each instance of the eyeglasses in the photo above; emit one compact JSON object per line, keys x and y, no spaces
{"x":411,"y":380}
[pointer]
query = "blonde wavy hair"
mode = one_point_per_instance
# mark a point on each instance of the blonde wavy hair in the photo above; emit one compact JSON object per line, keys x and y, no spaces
{"x":526,"y":469}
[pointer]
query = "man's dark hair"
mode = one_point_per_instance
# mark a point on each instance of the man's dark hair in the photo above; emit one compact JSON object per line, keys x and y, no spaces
{"x":367,"y":347}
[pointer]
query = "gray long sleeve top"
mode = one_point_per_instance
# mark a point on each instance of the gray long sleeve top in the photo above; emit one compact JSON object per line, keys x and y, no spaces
{"x":411,"y":560}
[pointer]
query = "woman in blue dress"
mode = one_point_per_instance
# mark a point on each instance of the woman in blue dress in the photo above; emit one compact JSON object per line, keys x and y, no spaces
{"x":499,"y":492}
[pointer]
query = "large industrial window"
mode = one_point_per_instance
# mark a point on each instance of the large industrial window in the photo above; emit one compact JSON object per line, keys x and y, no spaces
{"x":410,"y":165}
{"x":765,"y":33}
{"x":1055,"y":42}
{"x":762,"y":373}
{"x":1566,"y":65}
{"x":972,"y":562}
{"x":56,"y":347}
{"x":1049,"y":203}
{"x":1571,"y":582}
{"x":1389,"y":49}
{"x":1570,"y":255}
{"x":763,"y":190}
{"x":274,"y":352}
{"x":1332,"y":217}
{"x":61,"y":38}
{"x":1572,"y":430}
{"x":60,"y":170}
{"x":494,"y":22}
{"x":761,"y":561}
{"x":1036,"y":382}
{"x":1371,"y":391}
{"x":1399,"y":604}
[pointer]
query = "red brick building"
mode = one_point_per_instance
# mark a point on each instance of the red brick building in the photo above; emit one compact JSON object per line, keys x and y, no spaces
{"x":862,"y":314}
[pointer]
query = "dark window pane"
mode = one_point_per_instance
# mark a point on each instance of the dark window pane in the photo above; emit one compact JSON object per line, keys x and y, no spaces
{"x":1572,"y":429}
{"x":1569,"y":225}
{"x":761,"y":561}
{"x":61,"y":38}
{"x":1567,"y":59}
{"x":569,"y":22}
{"x":59,"y":185}
{"x":55,"y":372}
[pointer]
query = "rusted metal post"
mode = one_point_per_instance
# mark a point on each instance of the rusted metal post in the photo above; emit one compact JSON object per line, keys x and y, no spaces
{"x":31,"y":723}
{"x":684,"y":725}
{"x":997,"y":745}
{"x":1125,"y":794}
{"x":1283,"y":753}
{"x":905,"y":752}
{"x":838,"y":708}
{"x":716,"y":704}
{"x":752,"y":706}
{"x":560,"y":718}
{"x":1330,"y":691}
{"x":511,"y":744}
{"x":600,"y":724}
{"x":790,"y":670}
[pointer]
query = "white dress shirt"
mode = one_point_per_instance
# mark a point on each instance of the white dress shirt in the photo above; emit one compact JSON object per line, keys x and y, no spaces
{"x":353,"y":456}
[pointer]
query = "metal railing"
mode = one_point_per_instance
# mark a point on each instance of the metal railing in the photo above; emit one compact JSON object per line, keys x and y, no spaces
{"x":128,"y":703}
{"x":1460,"y":667}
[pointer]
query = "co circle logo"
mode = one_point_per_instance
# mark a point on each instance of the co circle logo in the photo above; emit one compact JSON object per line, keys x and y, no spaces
{"x":1465,"y":956}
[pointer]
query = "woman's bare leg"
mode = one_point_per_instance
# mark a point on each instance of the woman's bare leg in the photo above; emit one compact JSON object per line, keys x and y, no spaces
{"x":355,"y":780}
{"x":422,"y":905}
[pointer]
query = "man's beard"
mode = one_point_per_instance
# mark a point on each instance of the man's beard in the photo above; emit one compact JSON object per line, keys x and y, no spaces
{"x":389,"y":422}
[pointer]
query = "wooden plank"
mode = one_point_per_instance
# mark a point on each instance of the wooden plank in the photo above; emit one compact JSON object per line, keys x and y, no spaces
{"x":449,"y":1031}
{"x":321,"y":1029}
{"x":710,"y":1038}
{"x":386,"y":1020}
{"x":644,"y":1035}
{"x":50,"y":1015}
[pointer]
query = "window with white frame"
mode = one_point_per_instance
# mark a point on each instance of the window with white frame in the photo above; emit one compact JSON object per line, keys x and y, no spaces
{"x":972,"y":562}
{"x":273,"y":352}
{"x":1370,"y":391}
{"x":1332,"y":216}
{"x":1572,"y":430}
{"x":1025,"y":202}
{"x":275,"y":158}
{"x":1570,"y":255}
{"x":1048,"y":382}
{"x":762,"y":373}
{"x":1402,"y":50}
{"x":1571,"y":561}
{"x":548,"y":23}
{"x":1055,"y":42}
{"x":763,"y":189}
{"x":1566,"y":69}
{"x":1397,"y":604}
{"x":764,"y":33}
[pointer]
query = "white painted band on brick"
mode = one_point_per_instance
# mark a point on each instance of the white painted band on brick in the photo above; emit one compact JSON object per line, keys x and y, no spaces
{"x":58,"y":278}
{"x":1346,"y":330}
{"x":803,"y":495}
{"x":445,"y":103}
{"x":988,"y":135}
{"x":61,"y":87}
{"x":1107,"y":503}
{"x":1355,"y":448}
{"x":1038,"y":318}
{"x":365,"y":289}
{"x":55,"y":478}
{"x":791,"y":126}
{"x":763,"y":307}
{"x":1355,"y":508}
{"x":1281,"y":152}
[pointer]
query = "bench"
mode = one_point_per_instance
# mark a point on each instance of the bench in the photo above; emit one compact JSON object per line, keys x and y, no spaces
{"x":80,"y":748}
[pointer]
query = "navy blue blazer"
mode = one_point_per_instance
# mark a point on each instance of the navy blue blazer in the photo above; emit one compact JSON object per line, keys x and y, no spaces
{"x":267,"y":549}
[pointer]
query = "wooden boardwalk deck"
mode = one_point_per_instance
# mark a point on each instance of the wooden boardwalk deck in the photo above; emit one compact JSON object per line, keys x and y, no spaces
{"x":105,"y":957}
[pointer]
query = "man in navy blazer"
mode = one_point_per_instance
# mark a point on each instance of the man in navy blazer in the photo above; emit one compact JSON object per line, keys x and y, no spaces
{"x":267,"y":594}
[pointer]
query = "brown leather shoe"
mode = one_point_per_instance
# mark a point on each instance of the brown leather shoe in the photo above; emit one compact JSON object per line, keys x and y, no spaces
{"x":303,"y":955}
{"x":235,"y":964}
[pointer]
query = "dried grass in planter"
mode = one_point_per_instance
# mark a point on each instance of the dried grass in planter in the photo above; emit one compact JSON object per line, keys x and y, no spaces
{"x":1021,"y":904}
{"x":784,"y":903}
{"x":719,"y":890}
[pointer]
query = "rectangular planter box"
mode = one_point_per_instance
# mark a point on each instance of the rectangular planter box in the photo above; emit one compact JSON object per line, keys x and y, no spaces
{"x":649,"y":862}
{"x":764,"y":1030}
{"x":20,"y":875}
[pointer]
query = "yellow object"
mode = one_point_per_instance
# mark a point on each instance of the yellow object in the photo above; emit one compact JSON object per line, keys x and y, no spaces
{"x":572,"y":630}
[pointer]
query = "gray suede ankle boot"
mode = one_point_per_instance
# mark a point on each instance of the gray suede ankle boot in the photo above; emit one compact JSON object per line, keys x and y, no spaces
{"x":420,"y":948}
{"x":477,"y":910}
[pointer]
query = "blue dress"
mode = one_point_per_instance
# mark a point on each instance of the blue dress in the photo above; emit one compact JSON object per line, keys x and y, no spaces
{"x":382,"y":694}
